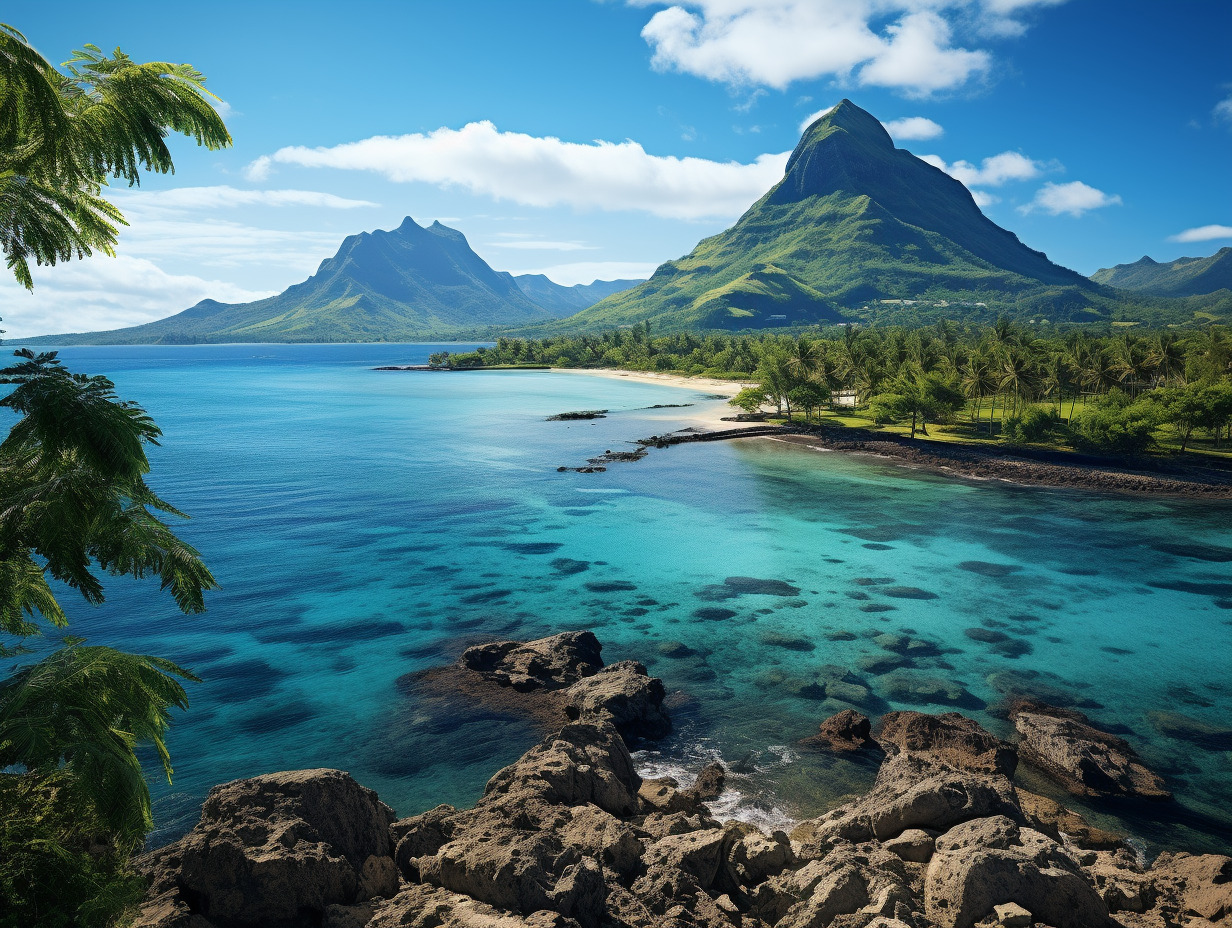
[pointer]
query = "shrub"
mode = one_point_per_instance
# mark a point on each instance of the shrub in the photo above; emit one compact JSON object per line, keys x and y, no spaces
{"x":1033,"y":425}
{"x":1115,"y":425}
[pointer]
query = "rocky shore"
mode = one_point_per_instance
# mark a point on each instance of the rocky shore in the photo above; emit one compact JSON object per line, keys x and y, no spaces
{"x":570,"y":836}
{"x":1030,"y":467}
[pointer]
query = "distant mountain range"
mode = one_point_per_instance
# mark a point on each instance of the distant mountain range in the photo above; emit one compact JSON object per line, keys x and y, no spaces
{"x":857,"y":230}
{"x":408,"y":284}
{"x":1182,"y":277}
{"x":853,"y":222}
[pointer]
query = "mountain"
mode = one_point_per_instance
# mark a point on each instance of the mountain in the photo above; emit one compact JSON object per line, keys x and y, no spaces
{"x":406,"y":284}
{"x":566,"y":300}
{"x":853,"y":221}
{"x":1182,"y":277}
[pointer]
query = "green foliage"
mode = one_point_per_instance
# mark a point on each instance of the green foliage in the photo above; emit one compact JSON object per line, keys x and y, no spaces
{"x":72,"y":484}
{"x":1182,"y":277}
{"x":78,"y":714}
{"x":63,"y":134}
{"x":1035,"y":425}
{"x":1117,"y":424}
{"x":58,"y":869}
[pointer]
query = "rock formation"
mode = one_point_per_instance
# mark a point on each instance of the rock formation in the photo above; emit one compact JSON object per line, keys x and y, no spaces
{"x":570,"y":836}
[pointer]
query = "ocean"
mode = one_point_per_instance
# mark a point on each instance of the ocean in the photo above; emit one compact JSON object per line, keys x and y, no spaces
{"x":365,"y":525}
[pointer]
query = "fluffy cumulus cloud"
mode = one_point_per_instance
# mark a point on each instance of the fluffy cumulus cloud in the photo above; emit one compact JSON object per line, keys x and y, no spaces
{"x":546,"y":171}
{"x":1202,"y":234}
{"x":913,"y":128}
{"x":991,"y":172}
{"x":907,"y":45}
{"x":106,"y":293}
{"x":1073,"y":199}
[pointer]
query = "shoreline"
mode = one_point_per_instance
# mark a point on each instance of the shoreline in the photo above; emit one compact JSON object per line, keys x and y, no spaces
{"x":1020,"y":466}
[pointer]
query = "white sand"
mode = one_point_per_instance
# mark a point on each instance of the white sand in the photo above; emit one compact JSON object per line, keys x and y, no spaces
{"x":703,"y":414}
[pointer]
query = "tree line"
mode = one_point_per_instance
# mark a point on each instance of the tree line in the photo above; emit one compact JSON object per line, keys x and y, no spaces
{"x":1111,"y":392}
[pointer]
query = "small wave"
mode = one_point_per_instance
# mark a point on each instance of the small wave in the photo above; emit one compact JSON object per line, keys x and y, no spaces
{"x":600,"y":490}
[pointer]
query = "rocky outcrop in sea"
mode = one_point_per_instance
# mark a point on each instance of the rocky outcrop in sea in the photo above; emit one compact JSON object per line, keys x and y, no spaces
{"x":570,"y":836}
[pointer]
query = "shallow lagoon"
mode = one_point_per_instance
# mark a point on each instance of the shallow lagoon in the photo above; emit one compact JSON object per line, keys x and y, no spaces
{"x":365,"y":525}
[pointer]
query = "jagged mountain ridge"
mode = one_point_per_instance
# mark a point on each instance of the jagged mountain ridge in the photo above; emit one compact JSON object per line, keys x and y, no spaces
{"x":1179,"y":278}
{"x":853,"y":220}
{"x":397,"y":285}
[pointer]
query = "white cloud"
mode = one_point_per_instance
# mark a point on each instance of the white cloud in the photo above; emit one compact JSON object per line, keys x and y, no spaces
{"x":906,"y":45}
{"x":913,"y":128}
{"x":992,"y":172}
{"x":546,"y":171}
{"x":532,"y":245}
{"x":1074,"y":198}
{"x":983,"y":198}
{"x":1223,"y":110}
{"x":225,"y":197}
{"x":587,"y":272}
{"x":813,"y":117}
{"x":103,"y":293}
{"x":1202,"y":234}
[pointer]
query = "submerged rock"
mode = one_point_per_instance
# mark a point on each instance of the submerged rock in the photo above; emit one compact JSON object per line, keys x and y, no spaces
{"x":548,"y":663}
{"x":1184,"y":728}
{"x":1077,"y":755}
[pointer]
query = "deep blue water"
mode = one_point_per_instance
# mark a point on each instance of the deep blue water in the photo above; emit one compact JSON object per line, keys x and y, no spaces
{"x":365,"y":525}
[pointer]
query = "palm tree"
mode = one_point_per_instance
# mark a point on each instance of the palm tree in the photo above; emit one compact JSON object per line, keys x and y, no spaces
{"x":1017,"y":375}
{"x":62,"y":135}
{"x":978,"y":381}
{"x":73,"y":499}
{"x":1166,"y":358}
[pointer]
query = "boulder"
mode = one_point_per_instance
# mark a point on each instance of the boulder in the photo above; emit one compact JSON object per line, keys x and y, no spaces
{"x":1064,"y":744}
{"x":949,"y":738}
{"x":275,"y":850}
{"x":1197,"y":886}
{"x":754,"y":858}
{"x":419,"y":835}
{"x":910,"y":793}
{"x":709,"y":784}
{"x":550,"y":663}
{"x":988,"y":862}
{"x":914,"y":845}
{"x":664,"y":795}
{"x":424,"y":906}
{"x":844,"y":731}
{"x":582,"y":763}
{"x":623,"y":694}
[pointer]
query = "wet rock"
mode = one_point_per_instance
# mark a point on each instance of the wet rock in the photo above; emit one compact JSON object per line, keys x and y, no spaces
{"x":624,"y":694}
{"x":1086,"y":761}
{"x":709,"y":784}
{"x":548,"y":663}
{"x":987,"y":862}
{"x":949,"y":738}
{"x":275,"y":849}
{"x":1184,"y":728}
{"x":911,"y":792}
{"x":845,"y":731}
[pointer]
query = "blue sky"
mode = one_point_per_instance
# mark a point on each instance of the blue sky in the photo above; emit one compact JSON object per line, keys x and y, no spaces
{"x":598,"y":138}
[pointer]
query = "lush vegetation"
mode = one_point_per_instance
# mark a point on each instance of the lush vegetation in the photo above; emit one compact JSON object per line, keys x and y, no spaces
{"x":1113,"y":393}
{"x":74,"y":502}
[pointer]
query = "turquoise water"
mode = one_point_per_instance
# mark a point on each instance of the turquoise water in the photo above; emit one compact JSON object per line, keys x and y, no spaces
{"x":365,"y":525}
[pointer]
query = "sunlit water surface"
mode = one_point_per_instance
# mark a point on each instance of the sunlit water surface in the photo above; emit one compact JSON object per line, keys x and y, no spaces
{"x":365,"y":525}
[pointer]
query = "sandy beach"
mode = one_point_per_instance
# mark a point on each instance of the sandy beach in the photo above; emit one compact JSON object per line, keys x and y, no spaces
{"x":706,"y":414}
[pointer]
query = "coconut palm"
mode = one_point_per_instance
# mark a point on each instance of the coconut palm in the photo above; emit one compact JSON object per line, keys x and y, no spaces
{"x":62,"y":135}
